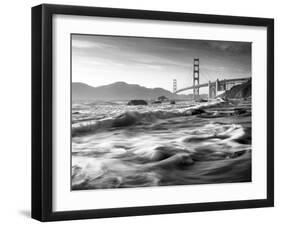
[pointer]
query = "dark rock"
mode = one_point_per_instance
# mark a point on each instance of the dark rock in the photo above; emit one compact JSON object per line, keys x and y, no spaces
{"x":137,"y":102}
{"x":201,"y":100}
{"x":238,"y":154}
{"x":156,"y":102}
{"x":197,"y":111}
{"x":162,"y":98}
{"x":172,"y":102}
{"x":240,"y":111}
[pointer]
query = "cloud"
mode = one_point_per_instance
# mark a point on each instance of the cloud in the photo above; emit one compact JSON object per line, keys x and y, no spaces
{"x":157,"y":57}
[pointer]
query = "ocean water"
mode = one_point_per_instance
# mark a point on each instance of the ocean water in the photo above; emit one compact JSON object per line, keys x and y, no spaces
{"x":116,"y":146}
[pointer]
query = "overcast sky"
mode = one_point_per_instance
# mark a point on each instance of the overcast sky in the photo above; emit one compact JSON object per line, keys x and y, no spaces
{"x":154,"y":62}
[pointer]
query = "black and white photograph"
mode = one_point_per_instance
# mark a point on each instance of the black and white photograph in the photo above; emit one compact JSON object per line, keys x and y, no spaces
{"x":159,"y":112}
{"x":143,"y":111}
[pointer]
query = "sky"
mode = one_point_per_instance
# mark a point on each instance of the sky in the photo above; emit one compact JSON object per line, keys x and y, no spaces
{"x":154,"y":62}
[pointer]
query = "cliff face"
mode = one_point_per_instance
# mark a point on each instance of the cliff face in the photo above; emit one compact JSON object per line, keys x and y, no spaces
{"x":240,"y":91}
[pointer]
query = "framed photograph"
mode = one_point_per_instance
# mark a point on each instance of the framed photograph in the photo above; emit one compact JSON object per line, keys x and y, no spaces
{"x":145,"y":112}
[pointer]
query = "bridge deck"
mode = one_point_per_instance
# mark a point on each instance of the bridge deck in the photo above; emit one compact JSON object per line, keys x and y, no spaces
{"x":220,"y":81}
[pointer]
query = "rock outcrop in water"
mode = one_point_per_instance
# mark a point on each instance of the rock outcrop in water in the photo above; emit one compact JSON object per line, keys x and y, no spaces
{"x":162,"y":98}
{"x":156,"y":102}
{"x":137,"y":102}
{"x":240,"y":91}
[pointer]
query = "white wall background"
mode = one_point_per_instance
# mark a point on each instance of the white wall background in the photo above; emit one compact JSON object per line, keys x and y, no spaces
{"x":15,"y":124}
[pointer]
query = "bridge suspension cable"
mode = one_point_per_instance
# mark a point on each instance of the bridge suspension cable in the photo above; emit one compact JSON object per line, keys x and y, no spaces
{"x":214,"y":85}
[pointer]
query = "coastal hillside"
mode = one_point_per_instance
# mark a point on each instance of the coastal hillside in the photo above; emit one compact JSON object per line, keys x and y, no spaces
{"x":121,"y":91}
{"x":239,"y":91}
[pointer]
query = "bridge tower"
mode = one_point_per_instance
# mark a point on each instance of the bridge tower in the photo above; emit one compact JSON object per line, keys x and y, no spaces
{"x":174,"y":85}
{"x":214,"y":87}
{"x":195,"y":78}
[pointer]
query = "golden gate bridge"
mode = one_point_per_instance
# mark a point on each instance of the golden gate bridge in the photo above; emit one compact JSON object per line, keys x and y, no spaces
{"x":213,"y":86}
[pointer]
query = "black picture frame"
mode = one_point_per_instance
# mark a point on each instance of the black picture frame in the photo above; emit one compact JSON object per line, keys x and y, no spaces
{"x":42,"y":107}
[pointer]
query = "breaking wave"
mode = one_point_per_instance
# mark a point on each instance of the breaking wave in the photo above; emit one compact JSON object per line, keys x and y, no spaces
{"x":202,"y":144}
{"x":130,"y":118}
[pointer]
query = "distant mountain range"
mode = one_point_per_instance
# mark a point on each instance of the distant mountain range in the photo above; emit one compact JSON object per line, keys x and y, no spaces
{"x":122,"y":91}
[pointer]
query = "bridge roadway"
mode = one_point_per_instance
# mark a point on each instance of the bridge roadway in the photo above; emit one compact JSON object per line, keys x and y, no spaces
{"x":224,"y":81}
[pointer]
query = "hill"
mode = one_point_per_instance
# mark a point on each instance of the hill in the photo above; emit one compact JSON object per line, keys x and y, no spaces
{"x":239,"y":91}
{"x":121,"y":91}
